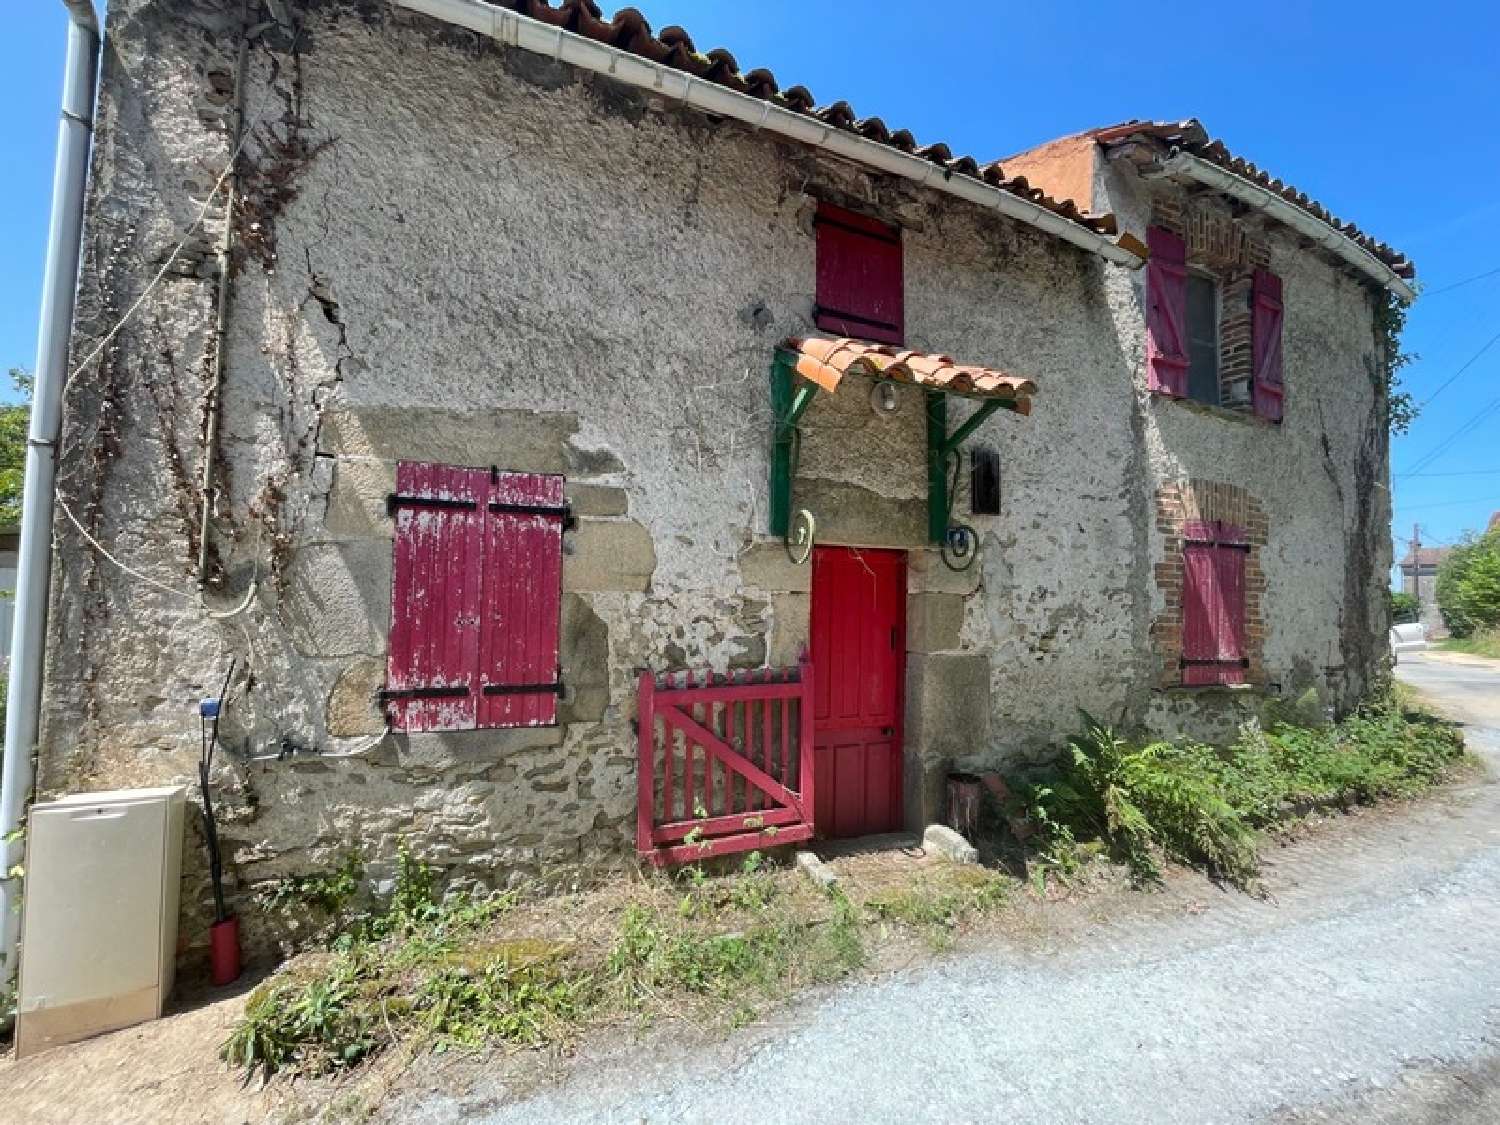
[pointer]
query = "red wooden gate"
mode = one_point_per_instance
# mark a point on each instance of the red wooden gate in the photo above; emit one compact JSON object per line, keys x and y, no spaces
{"x":726,"y":763}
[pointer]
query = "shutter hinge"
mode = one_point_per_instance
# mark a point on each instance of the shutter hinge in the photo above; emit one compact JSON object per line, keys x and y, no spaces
{"x":554,"y":688}
{"x":385,"y":695}
{"x":398,"y":500}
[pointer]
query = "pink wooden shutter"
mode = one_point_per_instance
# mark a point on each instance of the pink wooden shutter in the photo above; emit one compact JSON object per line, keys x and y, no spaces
{"x":435,"y":597}
{"x":1200,"y":612}
{"x":1166,"y":313}
{"x":1265,"y":350}
{"x":1229,"y":565}
{"x":860,"y":289}
{"x":1213,"y":604}
{"x":522,"y":601}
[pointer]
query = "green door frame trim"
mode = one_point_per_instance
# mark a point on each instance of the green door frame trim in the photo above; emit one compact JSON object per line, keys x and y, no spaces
{"x":789,"y":402}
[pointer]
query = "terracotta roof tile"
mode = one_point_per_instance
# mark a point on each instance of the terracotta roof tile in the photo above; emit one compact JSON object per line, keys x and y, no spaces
{"x":826,"y":360}
{"x":1428,"y":556}
{"x":1191,"y":137}
{"x":674,"y":47}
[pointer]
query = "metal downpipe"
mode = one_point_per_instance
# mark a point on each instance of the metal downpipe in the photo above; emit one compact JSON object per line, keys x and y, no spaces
{"x":59,"y":292}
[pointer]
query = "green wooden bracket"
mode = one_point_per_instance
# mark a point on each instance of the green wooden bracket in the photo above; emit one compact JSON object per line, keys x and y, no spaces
{"x":788,"y":404}
{"x":940,"y":443}
{"x":937,"y":475}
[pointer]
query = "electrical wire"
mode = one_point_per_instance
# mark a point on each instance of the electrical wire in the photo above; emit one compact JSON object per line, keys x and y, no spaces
{"x":1459,"y":473}
{"x":1434,"y":453}
{"x":218,"y":615}
{"x":165,"y":266}
{"x":1471,"y":361}
{"x":287,"y":755}
{"x":1465,"y":281}
{"x":1450,"y":503}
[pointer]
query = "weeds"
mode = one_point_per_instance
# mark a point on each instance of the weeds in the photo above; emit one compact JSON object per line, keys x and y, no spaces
{"x":438,"y":974}
{"x":776,"y":947}
{"x":1202,"y":805}
{"x":451,"y":973}
{"x":940,"y":902}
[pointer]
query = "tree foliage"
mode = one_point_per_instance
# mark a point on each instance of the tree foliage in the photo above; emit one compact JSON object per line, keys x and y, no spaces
{"x":1405,"y":607}
{"x":13,"y":423}
{"x":1468,"y":585}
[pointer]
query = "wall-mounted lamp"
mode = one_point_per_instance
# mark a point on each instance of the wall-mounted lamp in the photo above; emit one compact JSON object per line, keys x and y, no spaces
{"x":883,"y":399}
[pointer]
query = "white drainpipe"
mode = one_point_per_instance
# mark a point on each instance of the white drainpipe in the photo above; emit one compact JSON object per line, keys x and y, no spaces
{"x":521,"y":31}
{"x":1309,"y":226}
{"x":59,"y":288}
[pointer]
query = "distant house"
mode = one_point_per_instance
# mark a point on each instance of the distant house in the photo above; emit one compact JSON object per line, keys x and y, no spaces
{"x":1419,"y":578}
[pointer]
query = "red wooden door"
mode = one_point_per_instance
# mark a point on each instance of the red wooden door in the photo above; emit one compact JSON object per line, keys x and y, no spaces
{"x":859,"y":662}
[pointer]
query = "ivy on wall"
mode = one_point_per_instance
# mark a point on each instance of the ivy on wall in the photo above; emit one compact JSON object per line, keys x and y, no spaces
{"x":1390,"y":322}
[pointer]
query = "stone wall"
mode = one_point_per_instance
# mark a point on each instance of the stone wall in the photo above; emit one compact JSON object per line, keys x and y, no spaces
{"x":458,"y":252}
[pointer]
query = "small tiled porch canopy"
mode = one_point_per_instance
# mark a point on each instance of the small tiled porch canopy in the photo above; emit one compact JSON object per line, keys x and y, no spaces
{"x":824,"y":362}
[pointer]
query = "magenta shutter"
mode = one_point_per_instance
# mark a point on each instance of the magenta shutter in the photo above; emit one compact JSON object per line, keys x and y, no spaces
{"x":860,"y":289}
{"x":1166,"y":313}
{"x":522,"y":601}
{"x":1200,"y":611}
{"x":1265,"y":350}
{"x":1213,"y":604}
{"x":435,"y":597}
{"x":1229,"y":565}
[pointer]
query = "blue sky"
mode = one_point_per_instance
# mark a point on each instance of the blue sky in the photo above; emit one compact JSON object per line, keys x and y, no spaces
{"x":1385,"y":112}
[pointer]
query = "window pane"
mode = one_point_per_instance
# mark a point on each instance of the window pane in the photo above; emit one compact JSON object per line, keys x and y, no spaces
{"x":1203,"y":339}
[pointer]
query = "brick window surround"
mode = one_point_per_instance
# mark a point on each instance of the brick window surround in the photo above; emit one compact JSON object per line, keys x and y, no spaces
{"x":1193,"y":502}
{"x":1220,"y":246}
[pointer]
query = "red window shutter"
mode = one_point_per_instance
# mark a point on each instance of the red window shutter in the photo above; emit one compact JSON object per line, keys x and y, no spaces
{"x":1229,"y":563}
{"x":435,"y":597}
{"x":1213,"y":604}
{"x":522,"y":601}
{"x":860,"y":290}
{"x":1265,"y":349}
{"x":1166,"y":313}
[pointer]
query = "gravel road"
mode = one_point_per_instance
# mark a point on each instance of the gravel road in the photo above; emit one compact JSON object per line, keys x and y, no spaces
{"x":1366,"y":990}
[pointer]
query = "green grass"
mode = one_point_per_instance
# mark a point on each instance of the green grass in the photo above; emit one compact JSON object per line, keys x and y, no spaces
{"x":452,"y":974}
{"x":423,"y":972}
{"x":1485,"y":643}
{"x":945,"y":898}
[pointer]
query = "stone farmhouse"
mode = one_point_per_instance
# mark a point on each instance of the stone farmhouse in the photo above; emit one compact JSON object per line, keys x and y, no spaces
{"x":518,"y":377}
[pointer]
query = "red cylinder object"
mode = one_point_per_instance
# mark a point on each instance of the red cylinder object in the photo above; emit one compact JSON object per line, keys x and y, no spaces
{"x":224,"y":951}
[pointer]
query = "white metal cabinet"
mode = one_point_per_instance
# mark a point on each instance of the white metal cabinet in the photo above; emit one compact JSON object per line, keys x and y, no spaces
{"x":99,"y":928}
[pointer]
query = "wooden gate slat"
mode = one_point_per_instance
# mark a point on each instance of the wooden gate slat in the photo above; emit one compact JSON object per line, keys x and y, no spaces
{"x":747,"y":797}
{"x":713,"y":747}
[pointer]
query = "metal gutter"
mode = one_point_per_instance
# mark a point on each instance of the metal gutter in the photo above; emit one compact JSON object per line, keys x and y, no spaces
{"x":516,"y":30}
{"x":1211,"y":175}
{"x":59,"y":292}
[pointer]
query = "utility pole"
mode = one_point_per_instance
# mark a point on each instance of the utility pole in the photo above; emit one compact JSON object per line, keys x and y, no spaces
{"x":1416,"y":561}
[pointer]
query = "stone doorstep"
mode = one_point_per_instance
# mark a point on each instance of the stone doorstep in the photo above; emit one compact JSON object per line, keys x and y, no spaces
{"x":945,"y":841}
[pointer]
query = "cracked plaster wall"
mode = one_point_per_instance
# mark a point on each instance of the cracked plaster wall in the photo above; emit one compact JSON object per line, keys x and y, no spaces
{"x":496,"y":260}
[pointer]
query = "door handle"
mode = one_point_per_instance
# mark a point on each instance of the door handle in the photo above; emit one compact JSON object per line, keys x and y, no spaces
{"x":889,"y":732}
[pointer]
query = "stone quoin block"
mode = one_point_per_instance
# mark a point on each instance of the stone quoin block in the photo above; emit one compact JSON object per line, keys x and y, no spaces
{"x":767,"y":566}
{"x":338,"y":598}
{"x":933,"y":622}
{"x":602,"y":555}
{"x":790,"y":623}
{"x":353,"y":708}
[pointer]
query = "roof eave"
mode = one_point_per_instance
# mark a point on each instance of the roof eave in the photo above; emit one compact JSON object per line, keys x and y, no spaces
{"x":512,"y":28}
{"x":1309,"y":226}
